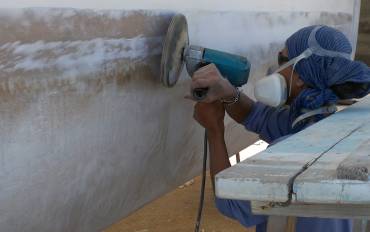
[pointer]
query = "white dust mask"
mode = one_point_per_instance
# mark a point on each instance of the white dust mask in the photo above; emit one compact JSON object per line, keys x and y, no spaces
{"x":271,"y":90}
{"x":263,"y":90}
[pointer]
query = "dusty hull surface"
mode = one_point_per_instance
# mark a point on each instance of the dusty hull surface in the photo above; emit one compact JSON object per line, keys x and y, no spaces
{"x":88,"y":134}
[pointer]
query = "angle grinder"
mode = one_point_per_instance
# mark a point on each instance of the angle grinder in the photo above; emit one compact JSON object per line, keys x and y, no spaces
{"x":177,"y":52}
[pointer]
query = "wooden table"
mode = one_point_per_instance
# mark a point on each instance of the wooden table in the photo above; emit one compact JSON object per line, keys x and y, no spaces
{"x":298,"y":176}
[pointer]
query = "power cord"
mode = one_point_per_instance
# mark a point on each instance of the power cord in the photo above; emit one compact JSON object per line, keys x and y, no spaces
{"x":204,"y":175}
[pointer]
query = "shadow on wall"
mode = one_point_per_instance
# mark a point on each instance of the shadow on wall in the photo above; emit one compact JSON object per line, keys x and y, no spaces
{"x":363,"y":46}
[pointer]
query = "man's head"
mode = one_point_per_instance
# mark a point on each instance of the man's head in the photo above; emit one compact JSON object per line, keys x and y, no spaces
{"x":320,"y":78}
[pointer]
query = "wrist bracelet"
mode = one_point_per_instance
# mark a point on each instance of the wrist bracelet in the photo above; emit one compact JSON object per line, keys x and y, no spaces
{"x":233,"y":100}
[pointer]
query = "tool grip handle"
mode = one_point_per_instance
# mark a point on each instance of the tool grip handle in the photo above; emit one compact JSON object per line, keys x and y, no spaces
{"x":200,"y":94}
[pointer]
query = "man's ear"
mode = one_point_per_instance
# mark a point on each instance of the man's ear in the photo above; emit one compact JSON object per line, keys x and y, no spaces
{"x":299,"y":82}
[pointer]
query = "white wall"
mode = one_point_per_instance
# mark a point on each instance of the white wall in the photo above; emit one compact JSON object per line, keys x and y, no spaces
{"x":345,"y":6}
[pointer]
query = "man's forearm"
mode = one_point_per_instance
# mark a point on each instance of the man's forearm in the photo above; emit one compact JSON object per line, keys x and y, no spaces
{"x":219,"y":159}
{"x":240,"y":110}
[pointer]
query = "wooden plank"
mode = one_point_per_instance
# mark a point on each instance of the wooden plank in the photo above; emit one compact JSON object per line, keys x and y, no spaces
{"x":269,"y":175}
{"x":319,"y":183}
{"x":237,"y":157}
{"x":313,"y":210}
{"x":356,"y":166}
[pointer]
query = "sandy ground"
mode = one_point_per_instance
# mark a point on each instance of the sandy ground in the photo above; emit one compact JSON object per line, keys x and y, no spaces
{"x":177,"y":210}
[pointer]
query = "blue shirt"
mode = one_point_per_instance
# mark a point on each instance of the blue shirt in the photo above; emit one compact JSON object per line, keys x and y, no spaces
{"x":272,"y":124}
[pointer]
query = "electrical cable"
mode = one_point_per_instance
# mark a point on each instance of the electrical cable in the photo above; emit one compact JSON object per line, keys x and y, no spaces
{"x":204,"y":175}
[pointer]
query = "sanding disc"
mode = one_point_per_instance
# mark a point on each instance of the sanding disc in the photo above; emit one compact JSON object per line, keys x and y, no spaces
{"x":173,"y":48}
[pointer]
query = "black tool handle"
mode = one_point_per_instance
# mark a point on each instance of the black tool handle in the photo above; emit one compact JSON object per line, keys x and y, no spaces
{"x":200,"y":94}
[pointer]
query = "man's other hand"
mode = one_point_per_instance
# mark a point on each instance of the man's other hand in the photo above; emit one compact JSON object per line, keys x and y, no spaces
{"x":210,"y":116}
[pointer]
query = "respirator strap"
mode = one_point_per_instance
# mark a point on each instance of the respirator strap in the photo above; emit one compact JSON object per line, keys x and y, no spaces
{"x":322,"y":110}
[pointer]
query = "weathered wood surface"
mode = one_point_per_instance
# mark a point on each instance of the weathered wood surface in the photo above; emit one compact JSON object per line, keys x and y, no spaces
{"x":88,"y":134}
{"x":319,"y":183}
{"x":313,"y":210}
{"x":357,"y":165}
{"x":303,"y":167}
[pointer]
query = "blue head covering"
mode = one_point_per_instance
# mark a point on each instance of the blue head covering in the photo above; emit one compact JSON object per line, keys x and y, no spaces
{"x":320,"y":73}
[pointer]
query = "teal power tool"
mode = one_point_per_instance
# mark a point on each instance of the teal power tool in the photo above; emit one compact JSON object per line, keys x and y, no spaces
{"x":176,"y":52}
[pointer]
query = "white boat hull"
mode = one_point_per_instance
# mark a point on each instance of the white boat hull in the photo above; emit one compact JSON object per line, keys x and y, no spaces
{"x":88,"y":134}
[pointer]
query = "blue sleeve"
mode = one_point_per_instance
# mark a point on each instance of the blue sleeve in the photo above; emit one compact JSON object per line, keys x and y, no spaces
{"x":268,"y":122}
{"x":240,"y":211}
{"x":323,"y":225}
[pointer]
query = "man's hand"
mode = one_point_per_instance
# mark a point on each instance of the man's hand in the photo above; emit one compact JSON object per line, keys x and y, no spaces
{"x":210,"y":116}
{"x":209,"y":77}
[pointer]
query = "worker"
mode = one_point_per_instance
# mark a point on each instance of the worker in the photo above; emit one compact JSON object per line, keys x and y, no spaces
{"x":316,"y":72}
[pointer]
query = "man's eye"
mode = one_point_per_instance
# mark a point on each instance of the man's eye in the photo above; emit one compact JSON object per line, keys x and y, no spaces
{"x":282,"y":59}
